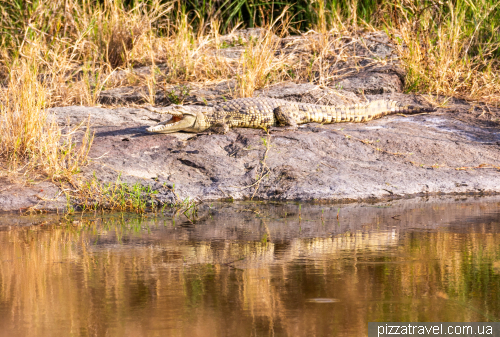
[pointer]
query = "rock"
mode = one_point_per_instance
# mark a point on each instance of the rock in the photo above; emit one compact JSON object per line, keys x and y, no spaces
{"x":126,"y":95}
{"x":309,"y":93}
{"x":243,"y":36}
{"x":392,"y":157}
{"x":179,"y":94}
{"x":232,"y":53}
{"x":74,"y":115}
{"x":363,"y":64}
{"x":30,"y":199}
{"x":366,"y":64}
{"x":131,"y":75}
{"x":371,"y":83}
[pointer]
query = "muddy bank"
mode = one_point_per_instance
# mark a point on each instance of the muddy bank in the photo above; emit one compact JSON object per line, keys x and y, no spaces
{"x":455,"y":150}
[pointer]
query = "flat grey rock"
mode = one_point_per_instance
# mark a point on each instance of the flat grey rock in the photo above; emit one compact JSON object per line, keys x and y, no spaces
{"x":309,"y":93}
{"x":372,"y":83}
{"x":30,"y":199}
{"x":392,"y":157}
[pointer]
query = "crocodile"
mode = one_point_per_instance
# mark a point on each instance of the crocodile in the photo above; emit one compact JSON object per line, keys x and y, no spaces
{"x":266,"y":113}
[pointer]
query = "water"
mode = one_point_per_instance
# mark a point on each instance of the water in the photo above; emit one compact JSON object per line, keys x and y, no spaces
{"x":249,"y":269}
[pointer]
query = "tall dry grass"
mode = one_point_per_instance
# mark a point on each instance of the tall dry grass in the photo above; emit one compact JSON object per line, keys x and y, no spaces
{"x":31,"y":141}
{"x":65,"y":56}
{"x":260,"y":64}
{"x":448,"y":48}
{"x":445,"y":54}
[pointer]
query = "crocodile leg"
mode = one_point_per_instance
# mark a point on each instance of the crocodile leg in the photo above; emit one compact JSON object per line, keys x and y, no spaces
{"x":288,"y":118}
{"x":220,"y":128}
{"x":221,"y":124}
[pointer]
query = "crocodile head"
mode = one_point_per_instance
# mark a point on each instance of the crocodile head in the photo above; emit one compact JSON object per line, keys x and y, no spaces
{"x":184,"y":118}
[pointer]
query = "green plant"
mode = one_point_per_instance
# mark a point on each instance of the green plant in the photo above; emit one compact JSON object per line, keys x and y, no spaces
{"x":179,"y":94}
{"x":94,"y":195}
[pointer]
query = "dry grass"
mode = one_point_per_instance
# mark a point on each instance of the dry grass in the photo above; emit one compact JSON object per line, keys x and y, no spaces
{"x":60,"y":62}
{"x":440,"y":59}
{"x":109,"y":38}
{"x":31,"y":142}
{"x":440,"y":48}
{"x":260,"y":64}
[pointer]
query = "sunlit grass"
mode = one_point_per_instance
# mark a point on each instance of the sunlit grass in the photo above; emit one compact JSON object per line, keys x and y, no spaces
{"x":449,"y":53}
{"x":31,"y":141}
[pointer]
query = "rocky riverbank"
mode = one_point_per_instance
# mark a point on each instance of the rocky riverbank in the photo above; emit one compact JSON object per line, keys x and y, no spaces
{"x":455,"y":150}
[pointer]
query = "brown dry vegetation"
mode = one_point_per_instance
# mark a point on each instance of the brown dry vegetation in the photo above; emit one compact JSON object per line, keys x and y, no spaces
{"x":66,"y":52}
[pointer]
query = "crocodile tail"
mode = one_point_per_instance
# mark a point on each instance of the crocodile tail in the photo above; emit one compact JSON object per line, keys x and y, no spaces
{"x":409,"y":109}
{"x":380,"y":108}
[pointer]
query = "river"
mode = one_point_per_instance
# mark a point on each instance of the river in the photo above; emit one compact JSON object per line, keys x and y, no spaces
{"x":251,"y":269}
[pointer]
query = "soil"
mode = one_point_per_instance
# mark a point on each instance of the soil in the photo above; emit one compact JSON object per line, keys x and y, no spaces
{"x":455,"y":150}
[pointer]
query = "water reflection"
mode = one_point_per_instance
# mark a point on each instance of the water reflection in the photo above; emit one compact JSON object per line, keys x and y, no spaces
{"x":251,"y":269}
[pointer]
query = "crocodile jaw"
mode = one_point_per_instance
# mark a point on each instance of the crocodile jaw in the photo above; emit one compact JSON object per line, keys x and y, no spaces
{"x":177,"y":123}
